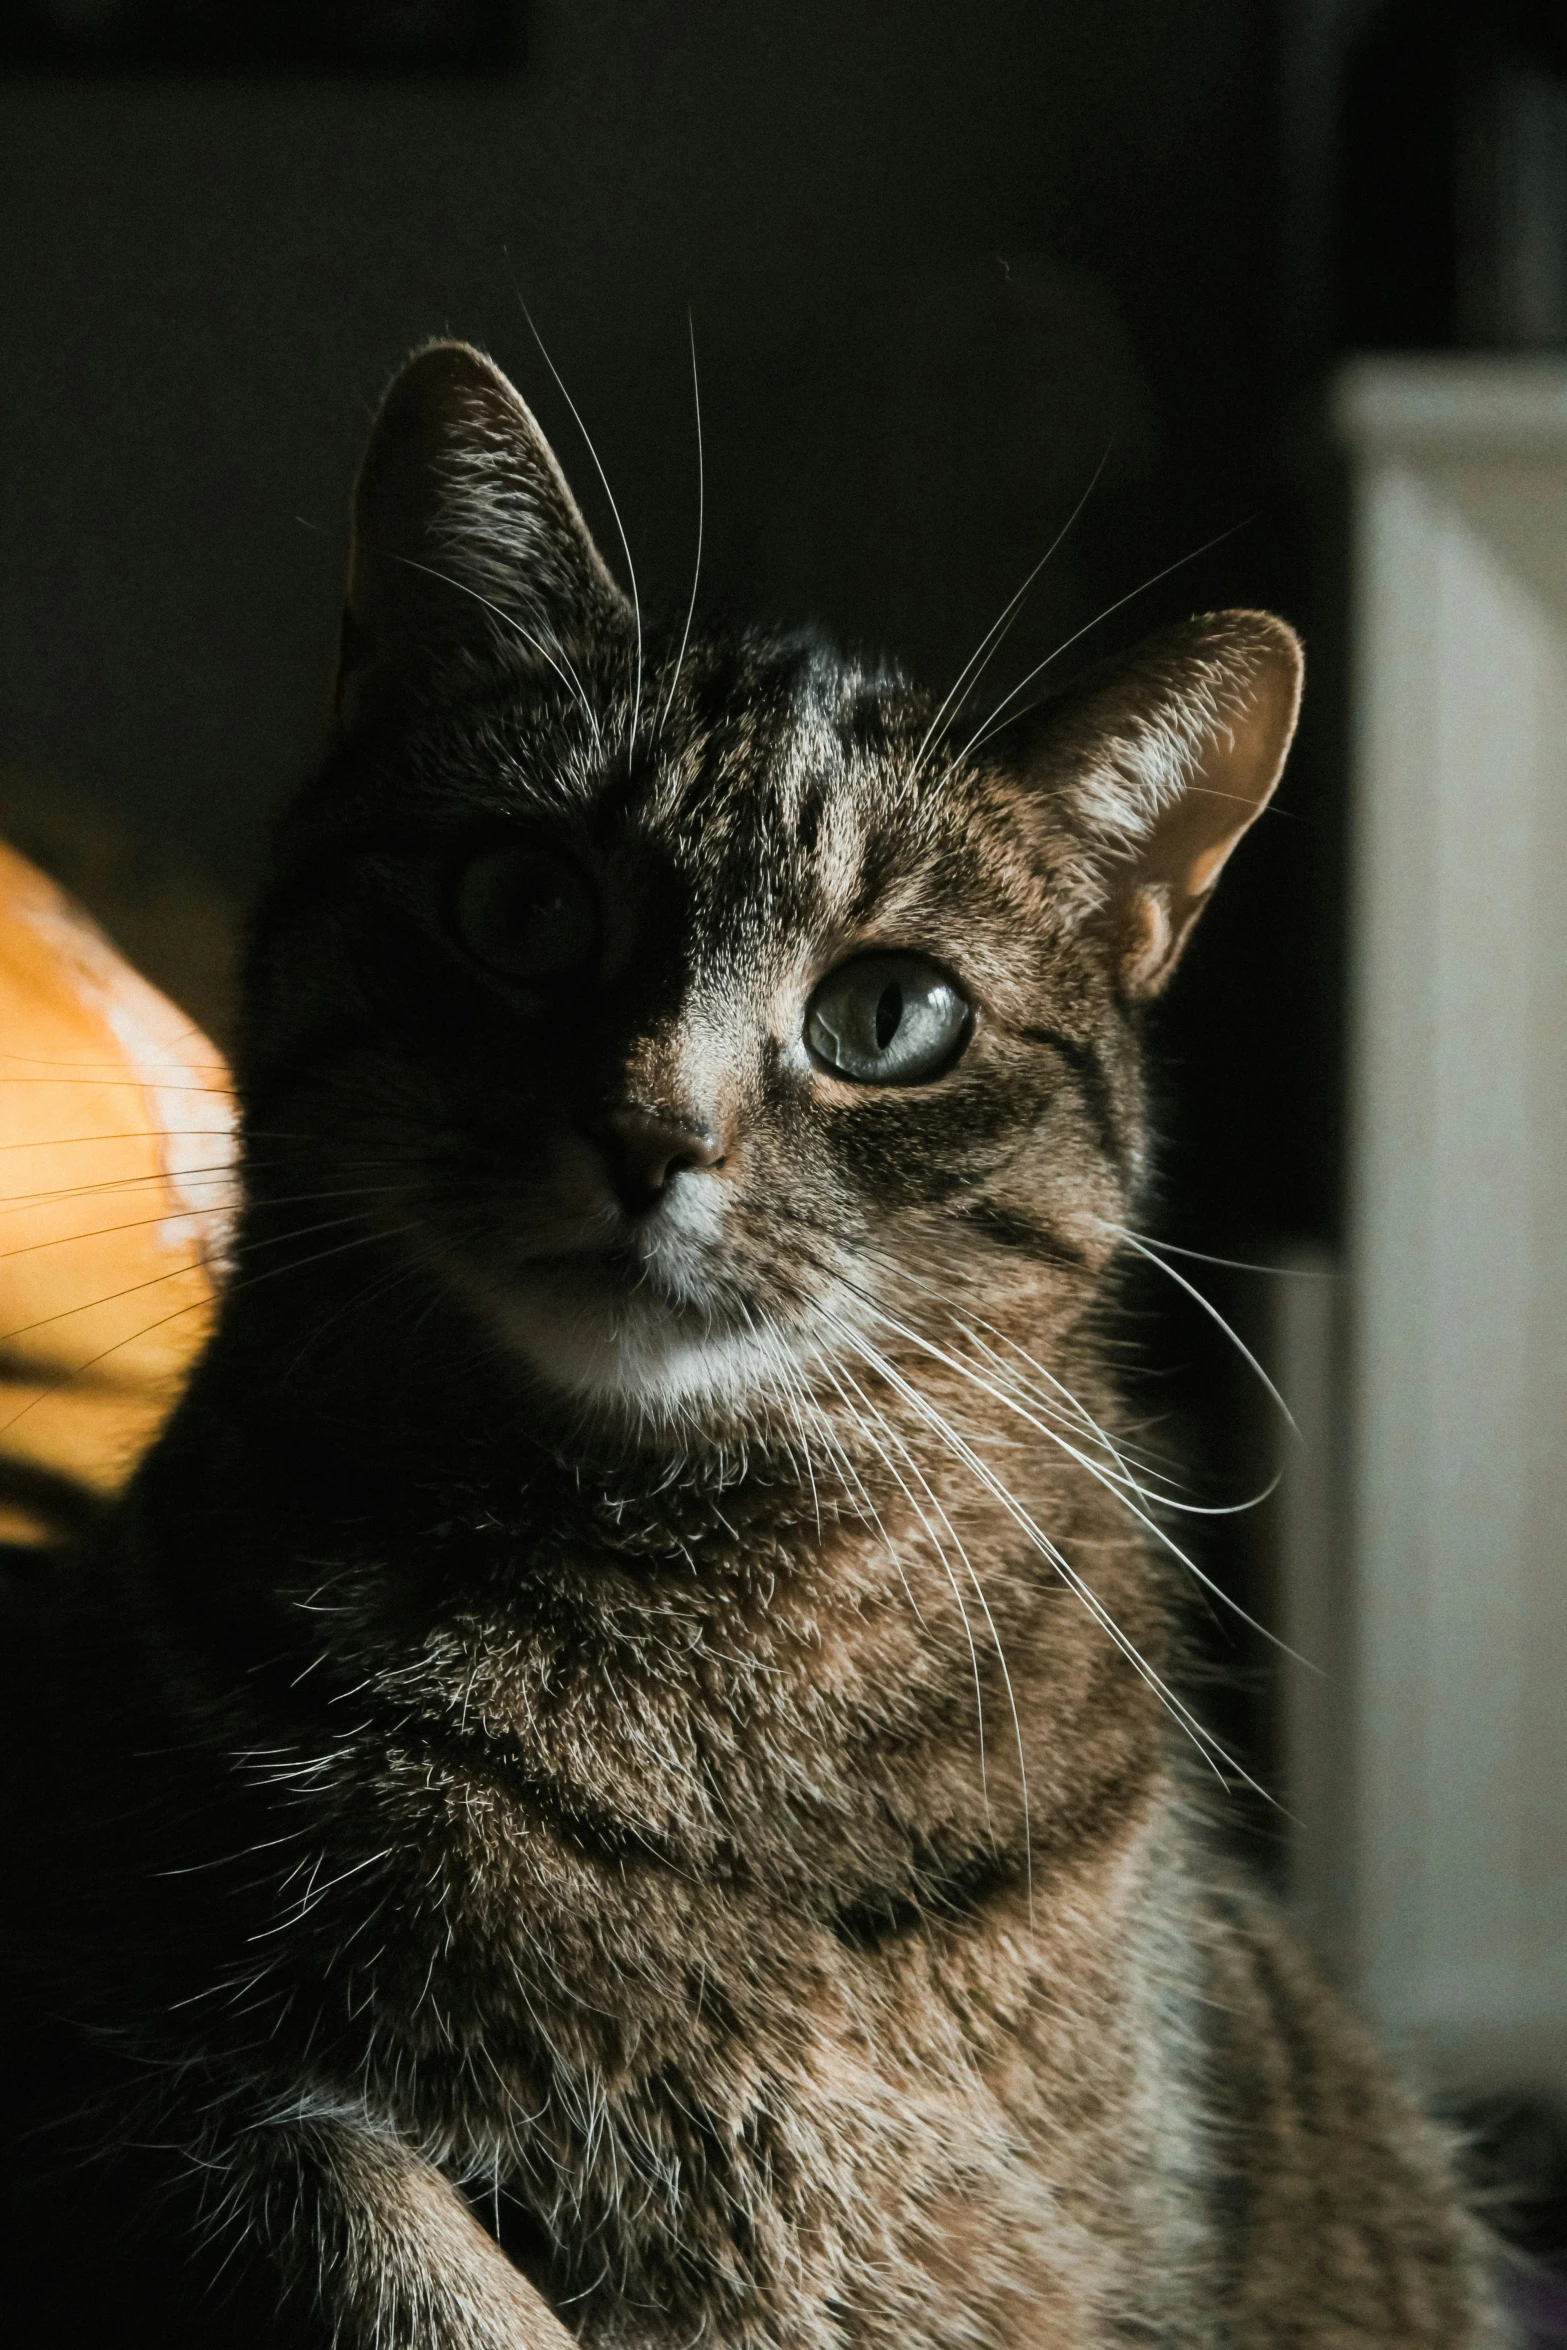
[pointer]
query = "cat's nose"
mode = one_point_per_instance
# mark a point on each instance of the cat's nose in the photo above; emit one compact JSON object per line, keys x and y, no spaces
{"x":645,"y":1149}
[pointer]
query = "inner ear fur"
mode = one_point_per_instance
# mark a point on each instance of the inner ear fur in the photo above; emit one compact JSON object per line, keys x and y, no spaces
{"x":464,"y":532}
{"x":1161,"y":768}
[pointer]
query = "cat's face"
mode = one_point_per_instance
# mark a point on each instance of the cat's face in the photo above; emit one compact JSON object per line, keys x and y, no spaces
{"x":705,"y":1020}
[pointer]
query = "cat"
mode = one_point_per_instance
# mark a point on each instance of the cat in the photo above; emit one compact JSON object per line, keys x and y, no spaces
{"x":616,"y":1773}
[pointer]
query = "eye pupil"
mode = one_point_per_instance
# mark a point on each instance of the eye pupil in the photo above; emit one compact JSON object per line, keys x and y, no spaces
{"x":888,"y":1019}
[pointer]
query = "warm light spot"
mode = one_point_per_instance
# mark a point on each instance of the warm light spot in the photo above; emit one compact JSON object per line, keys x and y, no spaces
{"x":116,"y":1181}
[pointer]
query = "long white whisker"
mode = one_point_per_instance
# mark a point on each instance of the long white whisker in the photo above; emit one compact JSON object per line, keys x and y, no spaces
{"x":1122,"y":1488}
{"x":701,"y":525}
{"x":788,"y":1391}
{"x":1201,"y":1256}
{"x":1121,"y":1475}
{"x":1213,"y":1753}
{"x":1071,"y":1412}
{"x":877,"y":1362}
{"x":1068,"y":1413}
{"x":625,"y":543}
{"x":996,"y":718}
{"x":936,"y":1544}
{"x":847,"y":1468}
{"x":989,"y":644}
{"x":1072,"y":1416}
{"x":564,"y":667}
{"x":790,"y":1388}
{"x":1212,"y":1312}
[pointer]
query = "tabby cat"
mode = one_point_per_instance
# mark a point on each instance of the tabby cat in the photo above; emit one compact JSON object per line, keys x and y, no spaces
{"x":615,"y":1773}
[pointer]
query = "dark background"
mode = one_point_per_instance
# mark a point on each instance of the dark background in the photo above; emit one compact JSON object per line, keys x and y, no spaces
{"x":943,"y":263}
{"x":940,"y":261}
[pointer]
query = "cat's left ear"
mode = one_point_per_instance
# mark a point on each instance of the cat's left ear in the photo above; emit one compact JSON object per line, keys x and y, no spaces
{"x":465,"y":536}
{"x":1159,"y":771}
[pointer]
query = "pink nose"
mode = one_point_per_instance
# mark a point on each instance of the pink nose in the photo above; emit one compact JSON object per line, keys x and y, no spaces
{"x":644,"y":1150}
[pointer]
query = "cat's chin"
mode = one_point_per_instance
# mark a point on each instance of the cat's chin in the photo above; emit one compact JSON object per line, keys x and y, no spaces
{"x":633,"y":1353}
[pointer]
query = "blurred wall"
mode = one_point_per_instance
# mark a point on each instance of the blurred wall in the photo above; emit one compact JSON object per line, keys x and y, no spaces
{"x":204,"y":283}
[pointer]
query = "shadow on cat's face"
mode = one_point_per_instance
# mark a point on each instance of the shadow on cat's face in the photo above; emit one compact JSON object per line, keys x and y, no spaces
{"x":703,"y":1015}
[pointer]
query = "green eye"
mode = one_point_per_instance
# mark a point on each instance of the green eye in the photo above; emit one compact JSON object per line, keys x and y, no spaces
{"x":525,"y":911}
{"x":887,"y":1020}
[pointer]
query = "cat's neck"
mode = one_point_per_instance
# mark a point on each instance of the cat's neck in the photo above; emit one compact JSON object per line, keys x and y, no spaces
{"x":903,"y":1677}
{"x":382,"y":1404}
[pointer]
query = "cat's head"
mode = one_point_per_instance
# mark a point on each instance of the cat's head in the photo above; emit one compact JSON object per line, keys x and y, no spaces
{"x":703,"y":1013}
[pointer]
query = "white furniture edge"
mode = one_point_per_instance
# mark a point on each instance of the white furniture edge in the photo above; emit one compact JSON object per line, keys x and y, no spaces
{"x":1454,"y":407}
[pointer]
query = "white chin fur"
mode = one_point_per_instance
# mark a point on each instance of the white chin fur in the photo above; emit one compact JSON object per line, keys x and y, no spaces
{"x":649,"y":1350}
{"x":639,"y":1353}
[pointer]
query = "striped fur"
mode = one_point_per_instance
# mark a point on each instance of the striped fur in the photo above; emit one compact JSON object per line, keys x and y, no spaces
{"x":614,"y":1773}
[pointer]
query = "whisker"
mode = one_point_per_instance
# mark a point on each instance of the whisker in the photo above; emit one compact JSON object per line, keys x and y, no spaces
{"x":625,"y":543}
{"x":132,"y":1289}
{"x":1211,"y":1310}
{"x":564,"y":667}
{"x":788,"y":1392}
{"x":1213,"y":1753}
{"x":963,"y":684}
{"x":168,"y":1215}
{"x":370,"y":1293}
{"x":1121,"y":1475}
{"x":1240,"y":1265}
{"x":1069,"y":1413}
{"x":155,"y":1079}
{"x":79,"y":1370}
{"x":239,"y":1279}
{"x":1121,"y":1488}
{"x":876,"y":1362}
{"x":1073,"y":1415}
{"x":994,"y":722}
{"x":1120,"y":1483}
{"x":701,"y":523}
{"x":848,"y":1468}
{"x":178,"y":1215}
{"x":61,"y":1142}
{"x":17,"y":1203}
{"x":936,"y":1544}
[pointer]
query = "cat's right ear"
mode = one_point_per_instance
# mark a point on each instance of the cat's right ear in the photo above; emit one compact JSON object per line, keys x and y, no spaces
{"x":1150,"y":776}
{"x":464,"y":534}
